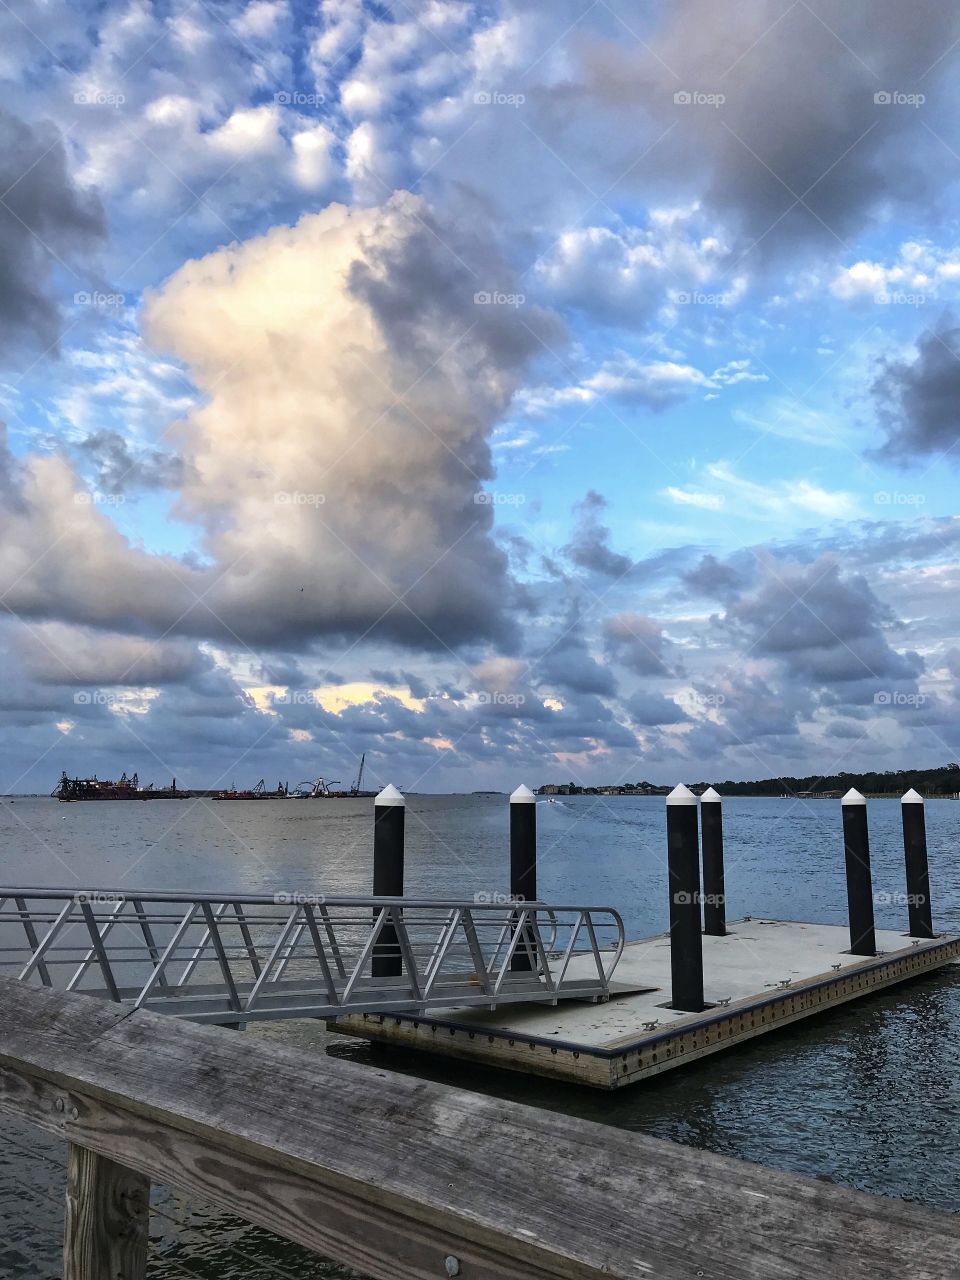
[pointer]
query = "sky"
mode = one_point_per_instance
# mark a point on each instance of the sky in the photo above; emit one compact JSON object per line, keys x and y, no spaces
{"x":511,"y":392}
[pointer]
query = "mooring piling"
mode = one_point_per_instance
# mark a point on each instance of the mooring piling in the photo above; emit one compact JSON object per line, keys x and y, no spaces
{"x":711,"y":836}
{"x":856,"y":849}
{"x":523,"y":844}
{"x":523,"y":861}
{"x":388,"y":817}
{"x":683,"y":866}
{"x":918,"y":874}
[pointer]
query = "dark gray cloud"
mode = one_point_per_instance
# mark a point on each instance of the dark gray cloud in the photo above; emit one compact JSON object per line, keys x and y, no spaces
{"x":918,"y":400}
{"x":11,"y":479}
{"x":590,"y":546}
{"x":646,"y":709}
{"x":44,"y":219}
{"x":799,"y":149}
{"x":823,"y":627}
{"x":53,"y":653}
{"x":121,"y":468}
{"x":712,"y":577}
{"x":637,"y":642}
{"x":568,"y":664}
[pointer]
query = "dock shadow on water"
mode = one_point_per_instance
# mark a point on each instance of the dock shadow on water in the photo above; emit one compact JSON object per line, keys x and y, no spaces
{"x":867,"y":1094}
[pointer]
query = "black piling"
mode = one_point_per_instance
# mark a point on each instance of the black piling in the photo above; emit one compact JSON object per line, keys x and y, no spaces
{"x":711,"y":838}
{"x":918,"y":875}
{"x":388,"y":813}
{"x":523,"y":864}
{"x":683,"y":864}
{"x":856,"y":848}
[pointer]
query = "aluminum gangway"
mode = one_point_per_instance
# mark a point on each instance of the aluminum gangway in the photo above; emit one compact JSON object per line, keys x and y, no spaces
{"x":236,"y":958}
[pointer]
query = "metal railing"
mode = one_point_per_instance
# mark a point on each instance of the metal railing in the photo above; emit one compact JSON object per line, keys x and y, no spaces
{"x":240,"y":958}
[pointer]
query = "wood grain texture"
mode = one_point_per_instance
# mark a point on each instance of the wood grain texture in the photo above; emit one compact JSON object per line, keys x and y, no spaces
{"x":391,"y":1174}
{"x":107,"y":1219}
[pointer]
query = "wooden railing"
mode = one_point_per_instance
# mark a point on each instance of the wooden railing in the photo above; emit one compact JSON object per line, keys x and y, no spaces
{"x":404,"y":1179}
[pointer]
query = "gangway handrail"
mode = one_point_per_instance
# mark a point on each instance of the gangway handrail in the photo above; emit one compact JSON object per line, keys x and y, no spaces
{"x":217,"y":956}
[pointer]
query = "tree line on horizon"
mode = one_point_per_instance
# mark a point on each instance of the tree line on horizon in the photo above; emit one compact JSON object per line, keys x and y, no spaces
{"x":939,"y":781}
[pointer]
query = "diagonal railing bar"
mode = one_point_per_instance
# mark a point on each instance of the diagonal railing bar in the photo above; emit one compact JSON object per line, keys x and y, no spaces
{"x":332,"y":939}
{"x":197,"y":956}
{"x":476,"y":952}
{"x":280,"y":943}
{"x":366,"y":954}
{"x":517,"y":925}
{"x":92,"y":954}
{"x":36,"y":960}
{"x":406,"y":951}
{"x":213,"y":929}
{"x":288,"y":950}
{"x":169,"y":951}
{"x":148,"y":938}
{"x":32,"y":939}
{"x":441,"y":945}
{"x":247,"y":939}
{"x":440,"y":953}
{"x":97,"y":942}
{"x":568,"y":951}
{"x":314,"y":932}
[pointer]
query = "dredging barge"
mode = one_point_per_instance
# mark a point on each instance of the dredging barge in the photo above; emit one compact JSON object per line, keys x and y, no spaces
{"x":71,"y":789}
{"x":129,"y":788}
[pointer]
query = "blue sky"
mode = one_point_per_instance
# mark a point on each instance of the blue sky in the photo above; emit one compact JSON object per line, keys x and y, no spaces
{"x":506,"y":391}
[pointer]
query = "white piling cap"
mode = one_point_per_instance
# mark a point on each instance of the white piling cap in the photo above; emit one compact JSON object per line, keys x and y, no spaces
{"x":853,"y":796}
{"x":523,"y":795}
{"x":711,"y":796}
{"x":681,"y":795}
{"x":912,"y":797}
{"x":390,"y":796}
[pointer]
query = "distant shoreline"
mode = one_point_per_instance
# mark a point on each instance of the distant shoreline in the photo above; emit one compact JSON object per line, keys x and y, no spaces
{"x":941,"y":782}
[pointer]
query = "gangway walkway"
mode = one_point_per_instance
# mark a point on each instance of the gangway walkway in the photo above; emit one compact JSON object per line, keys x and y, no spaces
{"x":242,"y":958}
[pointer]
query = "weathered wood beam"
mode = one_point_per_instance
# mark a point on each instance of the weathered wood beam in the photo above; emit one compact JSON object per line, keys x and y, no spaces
{"x":394,"y":1175}
{"x":107,"y":1219}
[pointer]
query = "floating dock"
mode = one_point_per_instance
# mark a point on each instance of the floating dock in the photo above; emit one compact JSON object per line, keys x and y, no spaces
{"x":761,"y":975}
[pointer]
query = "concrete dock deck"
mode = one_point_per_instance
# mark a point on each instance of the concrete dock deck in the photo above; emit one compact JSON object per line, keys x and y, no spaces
{"x":763,"y":974}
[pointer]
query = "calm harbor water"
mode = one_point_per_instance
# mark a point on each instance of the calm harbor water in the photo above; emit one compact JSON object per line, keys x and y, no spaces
{"x":868,"y":1095}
